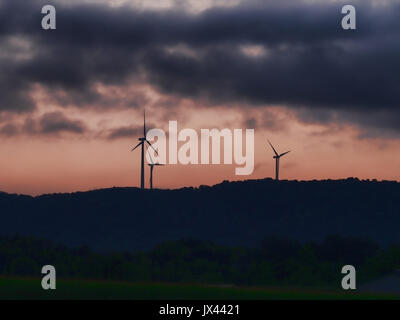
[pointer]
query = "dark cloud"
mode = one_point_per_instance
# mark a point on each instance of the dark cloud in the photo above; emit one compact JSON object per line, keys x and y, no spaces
{"x":9,"y":130}
{"x":308,"y":60}
{"x":49,"y":124}
{"x":132,"y":132}
{"x":250,"y":123}
{"x":376,"y":123}
{"x":268,"y":119}
{"x":14,"y":90}
{"x":125,"y":132}
{"x":53,"y":123}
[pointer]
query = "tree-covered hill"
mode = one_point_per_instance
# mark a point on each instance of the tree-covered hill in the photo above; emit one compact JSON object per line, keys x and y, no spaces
{"x":230,"y":213}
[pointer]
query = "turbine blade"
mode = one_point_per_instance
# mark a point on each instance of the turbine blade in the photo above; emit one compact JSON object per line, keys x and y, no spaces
{"x":137,"y":146}
{"x":284,"y":153}
{"x":276,"y":153}
{"x":152,"y":147}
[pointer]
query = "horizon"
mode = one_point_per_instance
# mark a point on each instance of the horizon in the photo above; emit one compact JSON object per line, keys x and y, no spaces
{"x":271,"y":179}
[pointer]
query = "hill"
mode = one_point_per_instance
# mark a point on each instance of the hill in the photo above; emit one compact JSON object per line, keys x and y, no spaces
{"x":230,"y":213}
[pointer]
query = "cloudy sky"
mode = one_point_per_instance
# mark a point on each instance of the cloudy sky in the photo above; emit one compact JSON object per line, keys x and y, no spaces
{"x":71,"y":99}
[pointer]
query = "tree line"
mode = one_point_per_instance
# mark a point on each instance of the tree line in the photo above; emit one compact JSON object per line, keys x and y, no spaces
{"x":276,"y":261}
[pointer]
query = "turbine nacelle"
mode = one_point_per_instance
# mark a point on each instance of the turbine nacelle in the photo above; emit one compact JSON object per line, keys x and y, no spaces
{"x":142,"y":143}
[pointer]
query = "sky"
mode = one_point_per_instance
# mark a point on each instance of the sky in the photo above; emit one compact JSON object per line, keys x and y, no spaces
{"x":72,"y":99}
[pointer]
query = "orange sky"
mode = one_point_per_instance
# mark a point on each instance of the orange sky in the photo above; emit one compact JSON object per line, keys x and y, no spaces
{"x":35,"y":164}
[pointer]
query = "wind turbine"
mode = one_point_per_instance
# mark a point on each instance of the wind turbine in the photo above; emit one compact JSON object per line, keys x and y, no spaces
{"x":151,"y":165}
{"x":277,"y":156}
{"x":142,"y":141}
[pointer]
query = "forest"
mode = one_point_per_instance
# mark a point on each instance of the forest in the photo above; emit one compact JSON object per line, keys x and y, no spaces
{"x":275,"y":262}
{"x":238,"y":214}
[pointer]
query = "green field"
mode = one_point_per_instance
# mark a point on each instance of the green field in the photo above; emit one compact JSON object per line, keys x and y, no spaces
{"x":30,"y":288}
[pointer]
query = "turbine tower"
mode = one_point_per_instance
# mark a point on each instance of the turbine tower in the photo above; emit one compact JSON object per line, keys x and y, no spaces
{"x":141,"y":143}
{"x":277,"y":157}
{"x":151,"y":165}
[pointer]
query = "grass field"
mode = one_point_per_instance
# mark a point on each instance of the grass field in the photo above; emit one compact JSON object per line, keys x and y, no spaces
{"x":30,"y":288}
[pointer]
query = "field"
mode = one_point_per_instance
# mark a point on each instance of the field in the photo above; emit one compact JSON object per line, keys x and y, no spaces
{"x":30,"y":288}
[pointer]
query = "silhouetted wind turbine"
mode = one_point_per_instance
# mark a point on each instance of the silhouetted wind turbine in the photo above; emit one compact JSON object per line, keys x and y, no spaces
{"x":141,"y":143}
{"x":277,"y":156}
{"x":151,"y":165}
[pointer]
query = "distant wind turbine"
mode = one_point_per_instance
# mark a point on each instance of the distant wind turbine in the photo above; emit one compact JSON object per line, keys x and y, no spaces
{"x":151,"y":165}
{"x":141,"y":143}
{"x":277,"y":156}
